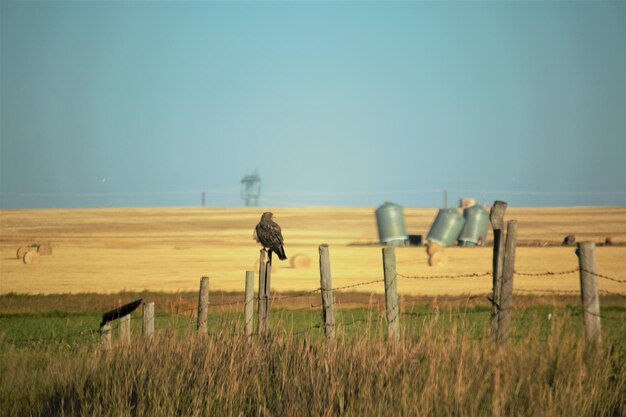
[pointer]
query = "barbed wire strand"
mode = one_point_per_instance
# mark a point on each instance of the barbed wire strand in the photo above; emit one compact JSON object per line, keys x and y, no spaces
{"x":546,"y":273}
{"x":621,"y":281}
{"x":426,"y":277}
{"x":518,"y":273}
{"x":345,"y":287}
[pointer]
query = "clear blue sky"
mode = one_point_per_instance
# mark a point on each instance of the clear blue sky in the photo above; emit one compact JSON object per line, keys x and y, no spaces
{"x":351,"y":103}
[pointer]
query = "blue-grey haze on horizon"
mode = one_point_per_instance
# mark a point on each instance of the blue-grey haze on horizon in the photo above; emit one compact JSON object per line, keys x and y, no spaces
{"x":335,"y":103}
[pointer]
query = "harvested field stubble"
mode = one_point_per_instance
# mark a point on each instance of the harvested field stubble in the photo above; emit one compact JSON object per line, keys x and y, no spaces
{"x":169,"y":249}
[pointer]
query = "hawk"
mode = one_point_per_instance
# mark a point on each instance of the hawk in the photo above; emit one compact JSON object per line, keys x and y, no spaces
{"x":268,"y":234}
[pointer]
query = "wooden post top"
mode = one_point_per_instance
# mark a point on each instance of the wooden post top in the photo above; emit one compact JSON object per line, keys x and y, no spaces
{"x":496,"y":215}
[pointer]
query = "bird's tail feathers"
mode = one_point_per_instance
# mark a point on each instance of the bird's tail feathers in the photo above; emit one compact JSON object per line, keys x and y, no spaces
{"x":281,"y":254}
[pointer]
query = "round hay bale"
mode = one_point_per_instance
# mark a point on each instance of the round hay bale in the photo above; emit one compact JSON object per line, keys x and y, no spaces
{"x":437,"y":258}
{"x":608,"y":240}
{"x":21,"y":251}
{"x":467,"y":202}
{"x":569,"y":240}
{"x":299,"y":260}
{"x":44,"y":249}
{"x":31,"y":257}
{"x":433,"y":248}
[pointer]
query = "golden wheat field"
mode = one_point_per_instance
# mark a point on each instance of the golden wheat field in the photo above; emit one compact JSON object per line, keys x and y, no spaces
{"x":169,"y":249}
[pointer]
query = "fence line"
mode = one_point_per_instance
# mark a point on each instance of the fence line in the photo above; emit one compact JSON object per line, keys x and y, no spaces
{"x":518,"y":273}
{"x":178,"y":313}
{"x":191,"y":317}
{"x":621,"y":281}
{"x":190,"y":322}
{"x":345,"y":287}
{"x":469,"y":275}
{"x":547,"y":273}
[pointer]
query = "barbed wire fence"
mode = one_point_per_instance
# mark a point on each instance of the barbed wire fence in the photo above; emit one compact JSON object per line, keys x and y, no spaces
{"x":187,"y":318}
{"x":501,"y":300}
{"x":544,"y":274}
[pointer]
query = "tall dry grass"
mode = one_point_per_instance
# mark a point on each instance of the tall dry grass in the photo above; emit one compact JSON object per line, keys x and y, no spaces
{"x":289,"y":375}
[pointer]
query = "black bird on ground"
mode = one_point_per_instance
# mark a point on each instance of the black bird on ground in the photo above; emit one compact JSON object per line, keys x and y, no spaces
{"x":268,"y":234}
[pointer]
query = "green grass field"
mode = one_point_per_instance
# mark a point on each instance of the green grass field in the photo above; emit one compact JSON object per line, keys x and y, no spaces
{"x":444,"y":365}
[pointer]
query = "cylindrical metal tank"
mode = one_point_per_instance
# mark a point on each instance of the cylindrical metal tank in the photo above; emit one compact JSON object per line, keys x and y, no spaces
{"x":390,"y":222}
{"x":476,"y":226}
{"x":446,"y":227}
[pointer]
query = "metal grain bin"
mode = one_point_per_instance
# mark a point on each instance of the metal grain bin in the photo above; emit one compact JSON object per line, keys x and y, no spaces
{"x":476,"y":226}
{"x":390,"y":221}
{"x":446,"y":227}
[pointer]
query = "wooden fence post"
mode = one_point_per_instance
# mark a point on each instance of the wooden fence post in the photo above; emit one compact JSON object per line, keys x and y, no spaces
{"x":203,"y":305}
{"x":496,"y":217}
{"x":391,"y":293}
{"x":105,"y":337}
{"x":148,"y":319}
{"x":506,"y":293}
{"x":326,"y":284}
{"x":249,"y":303}
{"x":589,"y":291}
{"x":268,"y":289}
{"x":263,"y":293}
{"x":125,"y":330}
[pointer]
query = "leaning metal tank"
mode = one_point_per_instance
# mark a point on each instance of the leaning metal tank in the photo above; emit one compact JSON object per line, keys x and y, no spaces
{"x":476,"y":226}
{"x":446,"y":227}
{"x":390,"y":222}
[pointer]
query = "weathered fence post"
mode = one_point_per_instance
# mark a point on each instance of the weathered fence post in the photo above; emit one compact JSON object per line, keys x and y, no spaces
{"x":148,"y":319}
{"x":268,"y":288}
{"x":391,"y":293}
{"x":589,"y":291}
{"x":105,"y":337}
{"x":496,"y":217}
{"x":326,"y":284}
{"x":123,"y":313}
{"x":203,"y":305}
{"x":125,"y":330}
{"x":506,"y":293}
{"x":264,"y":281}
{"x":249,"y":303}
{"x":261,"y":291}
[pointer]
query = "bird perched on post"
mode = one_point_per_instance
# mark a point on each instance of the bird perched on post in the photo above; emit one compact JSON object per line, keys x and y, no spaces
{"x":268,"y":234}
